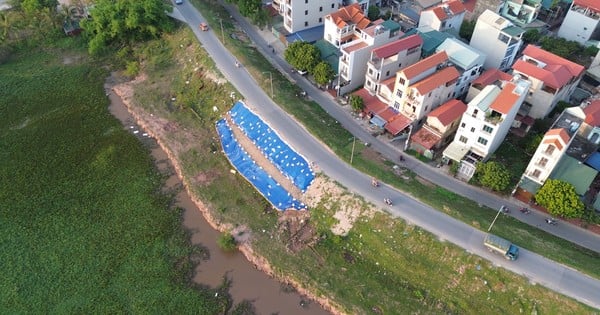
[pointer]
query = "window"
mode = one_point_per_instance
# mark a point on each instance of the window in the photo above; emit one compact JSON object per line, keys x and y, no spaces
{"x":320,"y":20}
{"x":369,"y":83}
{"x":387,"y":74}
{"x":401,"y":81}
{"x":370,"y":71}
{"x":472,"y":129}
{"x":542,"y":162}
{"x":400,"y":65}
{"x":399,"y":93}
{"x":333,"y":5}
{"x":550,"y":149}
{"x":482,"y":141}
{"x":462,"y":125}
{"x":475,"y":111}
{"x":305,"y":1}
{"x":320,"y":9}
{"x":536,"y":173}
{"x":463,"y":139}
{"x":503,"y":38}
{"x":305,"y":23}
{"x":488,"y":129}
{"x":426,"y":108}
{"x":305,"y":12}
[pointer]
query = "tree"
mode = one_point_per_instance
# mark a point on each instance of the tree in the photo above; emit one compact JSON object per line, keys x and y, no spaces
{"x":32,"y":6}
{"x":357,"y":103}
{"x":532,"y":36}
{"x":560,"y":199}
{"x":122,"y":22}
{"x":373,"y":13}
{"x":302,"y":55}
{"x":493,"y":175}
{"x":323,"y":73}
{"x":466,"y":29}
{"x":560,"y":46}
{"x":227,"y":242}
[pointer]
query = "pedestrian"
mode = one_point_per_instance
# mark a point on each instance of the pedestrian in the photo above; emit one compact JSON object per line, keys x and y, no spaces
{"x":273,"y":50}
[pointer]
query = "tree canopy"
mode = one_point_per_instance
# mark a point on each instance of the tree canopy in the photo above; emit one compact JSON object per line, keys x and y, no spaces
{"x":373,"y":12}
{"x":466,"y":29}
{"x":323,"y":73}
{"x":493,"y":175}
{"x":560,"y":199}
{"x":302,"y":55}
{"x":121,"y":22}
{"x":357,"y":103}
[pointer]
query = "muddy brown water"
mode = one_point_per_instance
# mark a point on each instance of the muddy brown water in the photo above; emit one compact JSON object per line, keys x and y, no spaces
{"x":247,"y":283}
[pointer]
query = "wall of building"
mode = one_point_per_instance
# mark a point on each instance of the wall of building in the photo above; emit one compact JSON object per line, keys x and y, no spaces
{"x":578,"y":27}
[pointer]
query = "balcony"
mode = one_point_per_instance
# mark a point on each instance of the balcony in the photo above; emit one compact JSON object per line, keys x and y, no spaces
{"x":494,"y":118}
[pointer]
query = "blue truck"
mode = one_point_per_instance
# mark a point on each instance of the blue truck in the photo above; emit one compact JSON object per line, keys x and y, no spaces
{"x":499,"y":245}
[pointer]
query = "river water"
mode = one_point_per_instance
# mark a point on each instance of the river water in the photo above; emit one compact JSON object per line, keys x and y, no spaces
{"x":247,"y":283}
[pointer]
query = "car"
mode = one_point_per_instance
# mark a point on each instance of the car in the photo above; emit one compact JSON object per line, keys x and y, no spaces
{"x":178,"y":1}
{"x":302,"y":72}
{"x":203,"y":26}
{"x":551,"y":221}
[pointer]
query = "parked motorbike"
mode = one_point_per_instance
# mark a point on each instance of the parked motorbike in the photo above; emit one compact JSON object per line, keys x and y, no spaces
{"x":525,"y":210}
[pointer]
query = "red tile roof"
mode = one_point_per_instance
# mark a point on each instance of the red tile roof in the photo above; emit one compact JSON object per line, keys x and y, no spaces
{"x":490,"y":76}
{"x":390,"y":83}
{"x":562,"y":135}
{"x":435,"y":80}
{"x":396,"y":46}
{"x":356,"y":46}
{"x":397,"y":124}
{"x":455,"y":7}
{"x":592,"y":114}
{"x":506,"y":99}
{"x":371,"y":102}
{"x":594,"y":5}
{"x":449,"y":111}
{"x":351,"y":14}
{"x":557,"y":72}
{"x":470,"y":5}
{"x":425,"y":64}
{"x":425,"y":138}
{"x":388,"y":114}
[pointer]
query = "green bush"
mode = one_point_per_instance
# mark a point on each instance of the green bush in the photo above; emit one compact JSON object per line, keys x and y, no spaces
{"x":227,"y":242}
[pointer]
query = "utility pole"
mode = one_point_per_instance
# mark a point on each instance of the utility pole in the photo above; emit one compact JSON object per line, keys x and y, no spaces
{"x":497,"y":214}
{"x":222,"y":33}
{"x":271,"y":80}
{"x":408,"y":137}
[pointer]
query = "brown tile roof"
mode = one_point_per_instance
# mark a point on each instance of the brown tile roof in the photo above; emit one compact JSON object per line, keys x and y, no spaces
{"x":399,"y":45}
{"x":592,"y":113}
{"x":437,"y":79}
{"x":351,"y":14}
{"x":425,"y":138}
{"x":557,"y":72}
{"x":506,"y":99}
{"x":449,"y":111}
{"x":425,"y":64}
{"x":397,"y":124}
{"x":562,"y":135}
{"x":490,"y":76}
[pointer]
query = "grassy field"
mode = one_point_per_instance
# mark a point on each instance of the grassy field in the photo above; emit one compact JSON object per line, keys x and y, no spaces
{"x":382,"y":265}
{"x":325,"y":128}
{"x":83,"y":226}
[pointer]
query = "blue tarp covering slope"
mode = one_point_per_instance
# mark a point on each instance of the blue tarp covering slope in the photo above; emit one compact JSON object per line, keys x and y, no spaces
{"x":264,"y":183}
{"x":288,"y":162}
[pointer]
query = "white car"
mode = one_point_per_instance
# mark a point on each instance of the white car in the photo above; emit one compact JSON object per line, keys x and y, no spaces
{"x":178,"y":1}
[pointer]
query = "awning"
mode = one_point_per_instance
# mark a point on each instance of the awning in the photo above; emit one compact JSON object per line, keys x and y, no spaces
{"x":456,"y":151}
{"x":397,"y":124}
{"x":378,"y":121}
{"x":388,"y":114}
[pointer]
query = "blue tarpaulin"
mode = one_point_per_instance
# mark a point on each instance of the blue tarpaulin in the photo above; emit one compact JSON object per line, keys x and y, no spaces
{"x":264,"y":183}
{"x":288,"y":162}
{"x":310,"y":35}
{"x":594,"y":161}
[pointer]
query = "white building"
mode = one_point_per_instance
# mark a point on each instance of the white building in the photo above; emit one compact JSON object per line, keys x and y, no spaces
{"x":466,"y":59}
{"x":386,"y":60}
{"x":299,"y":15}
{"x":520,"y":11}
{"x":552,"y":78}
{"x":447,"y":15}
{"x":345,"y":25}
{"x":356,"y":53}
{"x":582,"y":22}
{"x":498,"y":38}
{"x":485,"y":124}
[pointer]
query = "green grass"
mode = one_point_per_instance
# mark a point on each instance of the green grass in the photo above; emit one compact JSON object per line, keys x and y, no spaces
{"x":394,"y":267}
{"x":83,"y":228}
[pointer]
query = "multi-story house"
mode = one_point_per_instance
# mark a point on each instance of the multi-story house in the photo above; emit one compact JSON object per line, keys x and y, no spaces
{"x":498,"y":38}
{"x":490,"y":76}
{"x":439,"y":128}
{"x":424,"y":86}
{"x":466,"y":59}
{"x":345,"y":25}
{"x":521,"y":12}
{"x":364,"y":4}
{"x":299,"y":15}
{"x":445,"y":16}
{"x":552,"y":79}
{"x":355,"y":54}
{"x":582,"y":22}
{"x":485,"y":124}
{"x":386,"y":60}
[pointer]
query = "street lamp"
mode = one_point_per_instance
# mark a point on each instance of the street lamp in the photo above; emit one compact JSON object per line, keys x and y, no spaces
{"x":271,"y":80}
{"x":352,"y":154}
{"x":222,"y":33}
{"x":497,"y":214}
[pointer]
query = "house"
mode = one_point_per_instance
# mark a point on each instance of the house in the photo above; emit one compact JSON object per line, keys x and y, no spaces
{"x":445,"y":16}
{"x":355,"y":54}
{"x":364,"y":4}
{"x":432,"y":39}
{"x":485,"y":124}
{"x":582,"y":22}
{"x":466,"y":59}
{"x":488,"y":77}
{"x":386,"y":60}
{"x":299,"y":15}
{"x":552,"y":78}
{"x":498,"y":38}
{"x":521,"y":12}
{"x":345,"y":25}
{"x":568,"y":151}
{"x":423,"y":86}
{"x":438,"y":129}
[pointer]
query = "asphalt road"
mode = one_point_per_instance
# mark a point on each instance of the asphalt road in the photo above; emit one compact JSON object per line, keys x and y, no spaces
{"x":537,"y":268}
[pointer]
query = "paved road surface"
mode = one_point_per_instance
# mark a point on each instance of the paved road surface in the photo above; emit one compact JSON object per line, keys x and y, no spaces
{"x":535,"y":267}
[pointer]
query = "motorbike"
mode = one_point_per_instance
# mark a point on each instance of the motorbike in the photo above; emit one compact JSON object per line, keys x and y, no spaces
{"x":525,"y":210}
{"x":374,"y":183}
{"x":505,"y":209}
{"x":551,"y":221}
{"x":387,"y":201}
